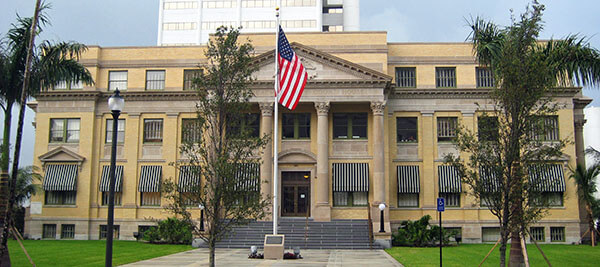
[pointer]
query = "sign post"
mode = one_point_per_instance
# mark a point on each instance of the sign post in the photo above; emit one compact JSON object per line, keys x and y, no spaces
{"x":441,"y":203}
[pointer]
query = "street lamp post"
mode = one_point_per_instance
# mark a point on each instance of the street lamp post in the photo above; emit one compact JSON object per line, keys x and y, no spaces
{"x":115,"y":104}
{"x":381,"y":226}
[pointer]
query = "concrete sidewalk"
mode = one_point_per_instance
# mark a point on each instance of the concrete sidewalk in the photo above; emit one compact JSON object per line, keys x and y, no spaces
{"x":239,"y":257}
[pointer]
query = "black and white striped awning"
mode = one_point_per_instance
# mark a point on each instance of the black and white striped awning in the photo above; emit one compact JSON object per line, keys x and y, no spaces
{"x":548,"y":177}
{"x":247,"y":177}
{"x":408,"y":179}
{"x":489,"y":179}
{"x":60,"y":177}
{"x":449,"y":179}
{"x":150,"y":178}
{"x":105,"y":179}
{"x":189,"y":178}
{"x":350,"y":177}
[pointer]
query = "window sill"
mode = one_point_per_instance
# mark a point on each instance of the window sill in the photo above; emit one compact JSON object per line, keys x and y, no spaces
{"x":407,"y":143}
{"x":152,"y":143}
{"x":405,"y":208}
{"x":349,"y":207}
{"x":150,"y":207}
{"x":295,"y":139}
{"x":351,"y":139}
{"x":59,"y":206}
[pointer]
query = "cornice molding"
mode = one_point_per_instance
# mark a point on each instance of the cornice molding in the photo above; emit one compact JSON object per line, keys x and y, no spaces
{"x":473,"y":93}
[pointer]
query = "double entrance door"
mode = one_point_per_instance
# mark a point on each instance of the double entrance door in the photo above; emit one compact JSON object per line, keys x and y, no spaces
{"x":295,"y":187}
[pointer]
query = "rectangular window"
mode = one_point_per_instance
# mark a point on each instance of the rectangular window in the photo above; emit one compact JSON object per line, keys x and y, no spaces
{"x":295,"y":126}
{"x":105,"y":198}
{"x":104,"y":232}
{"x":554,"y":199}
{"x":153,"y":130}
{"x":487,"y":128}
{"x":188,"y":79}
{"x":349,"y":125}
{"x":155,"y":80}
{"x":179,"y":26}
{"x":64,"y":85}
{"x":446,"y":128}
{"x":150,"y":198}
{"x":117,"y":80}
{"x":485,"y":78}
{"x":49,"y":231}
{"x":452,"y":199}
{"x":67,"y":231}
{"x":64,"y":130}
{"x":490,"y":234}
{"x":537,"y":234}
{"x":557,"y":234}
{"x":181,"y":5}
{"x":60,"y":197}
{"x":408,"y":200}
{"x":350,"y":198}
{"x":120,"y":131}
{"x":445,"y":77}
{"x":546,"y":129}
{"x":191,"y":131}
{"x":406,"y":129}
{"x":406,"y":77}
{"x":248,"y":123}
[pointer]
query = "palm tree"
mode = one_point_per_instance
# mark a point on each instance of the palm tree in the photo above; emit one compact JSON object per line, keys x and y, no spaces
{"x":51,"y":63}
{"x":526,"y":71}
{"x":586,"y":185}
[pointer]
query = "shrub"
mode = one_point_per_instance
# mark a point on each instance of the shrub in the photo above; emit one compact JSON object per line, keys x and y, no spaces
{"x":171,"y":231}
{"x":420,"y":233}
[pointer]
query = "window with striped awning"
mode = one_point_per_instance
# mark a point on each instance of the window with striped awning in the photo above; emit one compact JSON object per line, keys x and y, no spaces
{"x":547,"y":177}
{"x":150,"y":177}
{"x":350,"y":177}
{"x":490,"y":180}
{"x":60,"y":177}
{"x":247,"y":176}
{"x":449,"y":180}
{"x":105,"y":179}
{"x":408,"y":179}
{"x":189,"y":179}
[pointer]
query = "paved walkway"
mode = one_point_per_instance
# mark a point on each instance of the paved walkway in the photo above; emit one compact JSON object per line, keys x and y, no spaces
{"x":239,"y":257}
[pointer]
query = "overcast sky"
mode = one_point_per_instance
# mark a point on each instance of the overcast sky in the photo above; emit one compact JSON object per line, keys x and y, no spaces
{"x":134,"y":23}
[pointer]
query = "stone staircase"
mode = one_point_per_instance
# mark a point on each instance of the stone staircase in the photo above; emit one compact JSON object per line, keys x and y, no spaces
{"x":336,"y":234}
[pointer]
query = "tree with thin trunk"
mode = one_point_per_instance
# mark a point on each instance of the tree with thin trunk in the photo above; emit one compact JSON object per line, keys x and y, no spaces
{"x":221,"y":144}
{"x":586,"y":185}
{"x":49,"y":63}
{"x":511,"y":143}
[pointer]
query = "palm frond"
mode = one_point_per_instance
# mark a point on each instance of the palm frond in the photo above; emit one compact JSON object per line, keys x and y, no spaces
{"x":574,"y":60}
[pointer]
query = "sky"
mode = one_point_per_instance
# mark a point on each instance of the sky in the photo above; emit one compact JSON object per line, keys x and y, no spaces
{"x":135,"y":23}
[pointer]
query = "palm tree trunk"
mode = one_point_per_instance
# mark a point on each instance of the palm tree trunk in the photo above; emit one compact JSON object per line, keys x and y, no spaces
{"x":4,"y":162}
{"x":5,"y":186}
{"x":516,"y":251}
{"x":591,"y":223}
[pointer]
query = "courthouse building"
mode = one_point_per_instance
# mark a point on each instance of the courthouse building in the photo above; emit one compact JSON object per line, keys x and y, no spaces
{"x":373,"y":126}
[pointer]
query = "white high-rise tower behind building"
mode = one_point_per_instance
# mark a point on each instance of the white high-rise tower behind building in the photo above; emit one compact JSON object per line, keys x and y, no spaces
{"x":189,"y":22}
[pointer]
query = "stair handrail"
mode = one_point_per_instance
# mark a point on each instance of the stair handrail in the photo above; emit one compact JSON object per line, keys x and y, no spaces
{"x":370,"y":221}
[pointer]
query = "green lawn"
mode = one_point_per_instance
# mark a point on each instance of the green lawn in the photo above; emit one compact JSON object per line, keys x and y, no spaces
{"x":472,"y":254}
{"x":86,"y":253}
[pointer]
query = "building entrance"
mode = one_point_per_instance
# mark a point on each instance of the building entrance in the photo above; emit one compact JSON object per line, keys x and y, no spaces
{"x":295,"y":187}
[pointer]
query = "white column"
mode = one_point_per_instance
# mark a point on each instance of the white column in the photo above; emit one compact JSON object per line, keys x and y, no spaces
{"x":322,"y":208}
{"x":266,"y":167}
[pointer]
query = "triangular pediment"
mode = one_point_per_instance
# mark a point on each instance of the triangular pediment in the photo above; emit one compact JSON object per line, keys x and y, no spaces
{"x":61,"y":154}
{"x":320,"y":67}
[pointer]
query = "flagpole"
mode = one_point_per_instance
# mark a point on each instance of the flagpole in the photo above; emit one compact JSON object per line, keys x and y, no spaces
{"x":275,"y":134}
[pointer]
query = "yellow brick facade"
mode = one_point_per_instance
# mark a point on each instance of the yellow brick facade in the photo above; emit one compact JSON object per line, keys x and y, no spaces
{"x":350,"y":73}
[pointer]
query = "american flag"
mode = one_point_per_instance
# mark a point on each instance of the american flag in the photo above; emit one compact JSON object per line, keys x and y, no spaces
{"x":292,"y":75}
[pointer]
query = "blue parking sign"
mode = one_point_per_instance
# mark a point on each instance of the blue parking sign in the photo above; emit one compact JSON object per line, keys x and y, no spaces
{"x":441,"y":204}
